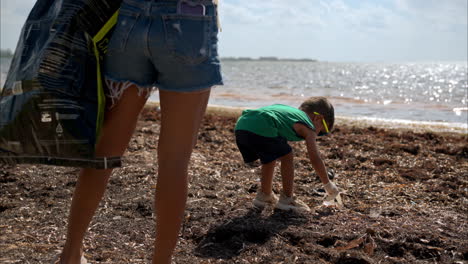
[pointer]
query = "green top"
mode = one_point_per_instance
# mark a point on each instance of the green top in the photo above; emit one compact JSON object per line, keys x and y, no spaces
{"x":273,"y":121}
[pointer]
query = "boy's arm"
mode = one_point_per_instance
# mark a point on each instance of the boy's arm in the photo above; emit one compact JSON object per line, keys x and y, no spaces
{"x":309,"y":135}
{"x":310,"y":138}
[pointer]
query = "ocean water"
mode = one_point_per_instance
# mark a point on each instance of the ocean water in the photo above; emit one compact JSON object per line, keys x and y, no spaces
{"x":428,"y":93}
{"x":419,"y":92}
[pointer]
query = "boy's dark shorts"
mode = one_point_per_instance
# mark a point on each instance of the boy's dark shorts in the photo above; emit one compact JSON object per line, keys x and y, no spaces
{"x":253,"y":147}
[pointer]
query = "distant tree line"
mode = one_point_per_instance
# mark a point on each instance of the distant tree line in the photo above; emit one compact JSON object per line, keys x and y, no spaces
{"x":6,"y":53}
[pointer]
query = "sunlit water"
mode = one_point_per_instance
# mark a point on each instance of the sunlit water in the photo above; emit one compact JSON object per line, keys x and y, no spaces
{"x":409,"y":91}
{"x":396,"y":92}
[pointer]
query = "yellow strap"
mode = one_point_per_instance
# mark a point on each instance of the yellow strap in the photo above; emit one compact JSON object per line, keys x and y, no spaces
{"x":105,"y":29}
{"x":100,"y":89}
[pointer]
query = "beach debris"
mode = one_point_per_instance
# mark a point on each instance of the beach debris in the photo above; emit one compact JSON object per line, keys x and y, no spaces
{"x":367,"y":242}
{"x":330,"y":201}
{"x":353,"y":243}
{"x":378,"y":203}
{"x":370,"y":246}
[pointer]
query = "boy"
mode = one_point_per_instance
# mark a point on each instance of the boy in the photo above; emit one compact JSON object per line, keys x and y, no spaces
{"x":264,"y":133}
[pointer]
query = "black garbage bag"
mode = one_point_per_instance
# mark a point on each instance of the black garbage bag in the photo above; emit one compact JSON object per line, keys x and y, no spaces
{"x":52,"y":103}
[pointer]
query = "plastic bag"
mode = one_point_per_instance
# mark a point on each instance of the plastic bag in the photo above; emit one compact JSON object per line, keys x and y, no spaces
{"x":52,"y":103}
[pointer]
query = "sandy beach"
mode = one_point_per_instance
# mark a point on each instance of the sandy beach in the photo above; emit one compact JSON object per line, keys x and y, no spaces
{"x":405,"y":201}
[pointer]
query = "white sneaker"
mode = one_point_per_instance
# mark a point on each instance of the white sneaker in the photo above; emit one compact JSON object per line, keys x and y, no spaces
{"x":331,"y":189}
{"x":261,"y":200}
{"x":292,"y":203}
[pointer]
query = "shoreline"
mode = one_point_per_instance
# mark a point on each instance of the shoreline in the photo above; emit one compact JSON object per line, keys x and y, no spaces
{"x":397,"y":124}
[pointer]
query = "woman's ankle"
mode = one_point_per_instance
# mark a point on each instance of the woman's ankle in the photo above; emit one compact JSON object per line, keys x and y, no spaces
{"x":69,"y":259}
{"x":161,"y":260}
{"x":71,"y":255}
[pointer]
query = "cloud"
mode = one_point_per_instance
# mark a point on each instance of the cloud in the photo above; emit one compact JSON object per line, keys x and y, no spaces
{"x":323,"y":29}
{"x":362,"y":15}
{"x":271,"y":13}
{"x":346,"y":29}
{"x":311,"y":15}
{"x":13,"y":14}
{"x":235,"y":13}
{"x":445,"y":13}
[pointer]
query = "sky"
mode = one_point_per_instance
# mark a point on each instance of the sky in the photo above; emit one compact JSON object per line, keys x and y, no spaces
{"x":327,"y":30}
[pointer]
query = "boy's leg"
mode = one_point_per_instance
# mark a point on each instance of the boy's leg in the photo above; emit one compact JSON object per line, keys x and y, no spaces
{"x":181,"y":115}
{"x":118,"y":127}
{"x":287,"y":200}
{"x":266,"y":180}
{"x":287,"y":173}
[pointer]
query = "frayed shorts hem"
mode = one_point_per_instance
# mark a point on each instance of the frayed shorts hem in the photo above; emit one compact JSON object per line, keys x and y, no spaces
{"x":116,"y":87}
{"x":193,"y":89}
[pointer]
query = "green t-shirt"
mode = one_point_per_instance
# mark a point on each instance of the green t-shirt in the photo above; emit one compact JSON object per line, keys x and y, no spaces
{"x":273,"y":121}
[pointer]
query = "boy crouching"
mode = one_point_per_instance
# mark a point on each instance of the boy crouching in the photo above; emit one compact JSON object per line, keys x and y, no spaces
{"x":264,"y":133}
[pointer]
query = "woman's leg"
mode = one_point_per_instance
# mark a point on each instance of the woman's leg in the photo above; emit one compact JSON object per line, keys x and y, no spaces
{"x":181,"y":115}
{"x":118,"y":127}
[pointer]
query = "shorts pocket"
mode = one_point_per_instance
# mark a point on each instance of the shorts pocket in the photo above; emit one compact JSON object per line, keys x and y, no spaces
{"x":188,"y":37}
{"x":124,"y":26}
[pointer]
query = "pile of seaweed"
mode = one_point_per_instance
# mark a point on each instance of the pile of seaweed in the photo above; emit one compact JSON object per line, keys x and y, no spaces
{"x":405,"y":199}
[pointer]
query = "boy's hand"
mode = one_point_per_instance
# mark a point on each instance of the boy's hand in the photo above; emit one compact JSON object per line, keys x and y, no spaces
{"x":331,"y":189}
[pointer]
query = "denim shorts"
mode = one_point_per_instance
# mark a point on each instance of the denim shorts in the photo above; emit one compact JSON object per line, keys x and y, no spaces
{"x":155,"y":45}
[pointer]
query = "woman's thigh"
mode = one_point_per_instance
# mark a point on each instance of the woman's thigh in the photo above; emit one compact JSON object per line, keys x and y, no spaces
{"x":181,"y":115}
{"x":119,"y":123}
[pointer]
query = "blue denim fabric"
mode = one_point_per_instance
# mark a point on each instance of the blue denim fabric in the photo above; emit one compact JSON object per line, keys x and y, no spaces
{"x":154,"y":45}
